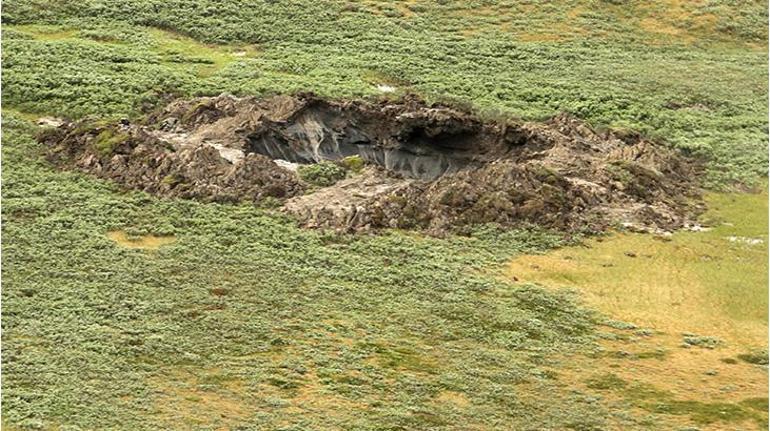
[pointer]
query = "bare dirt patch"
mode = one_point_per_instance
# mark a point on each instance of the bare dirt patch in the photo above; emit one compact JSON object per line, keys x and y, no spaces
{"x":431,"y":167}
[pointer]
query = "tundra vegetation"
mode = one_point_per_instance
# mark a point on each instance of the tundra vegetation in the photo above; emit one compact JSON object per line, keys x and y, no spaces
{"x":126,"y":311}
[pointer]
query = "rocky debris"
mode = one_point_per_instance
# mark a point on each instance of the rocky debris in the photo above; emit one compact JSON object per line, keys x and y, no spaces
{"x":49,"y":122}
{"x":385,"y":88}
{"x":745,"y":240}
{"x":138,"y":159}
{"x":429,"y":167}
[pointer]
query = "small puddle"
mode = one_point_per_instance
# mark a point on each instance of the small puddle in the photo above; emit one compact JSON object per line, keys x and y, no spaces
{"x":144,"y":242}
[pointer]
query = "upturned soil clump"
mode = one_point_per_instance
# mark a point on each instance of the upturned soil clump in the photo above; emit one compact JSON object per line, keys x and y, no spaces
{"x":404,"y":164}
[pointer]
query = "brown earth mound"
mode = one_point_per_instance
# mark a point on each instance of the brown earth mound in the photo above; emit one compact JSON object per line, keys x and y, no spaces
{"x":429,"y":167}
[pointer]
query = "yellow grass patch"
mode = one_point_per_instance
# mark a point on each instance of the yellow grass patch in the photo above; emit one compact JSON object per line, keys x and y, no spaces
{"x":659,"y":363}
{"x":45,"y":32}
{"x":454,"y":399}
{"x":313,"y":398}
{"x":170,"y":44}
{"x":654,"y":25}
{"x":380,"y":7}
{"x":186,"y":400}
{"x":173,"y":48}
{"x":711,"y":283}
{"x":145,"y":242}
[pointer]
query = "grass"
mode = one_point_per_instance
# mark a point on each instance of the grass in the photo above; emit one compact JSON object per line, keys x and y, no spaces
{"x":44,"y":33}
{"x":246,"y":320}
{"x":627,"y":66}
{"x":674,"y":288}
{"x":205,"y":61}
{"x":701,"y":413}
{"x":606,"y":382}
{"x":146,"y":242}
{"x":699,"y":282}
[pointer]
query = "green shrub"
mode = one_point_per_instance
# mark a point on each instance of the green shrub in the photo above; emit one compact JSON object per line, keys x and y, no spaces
{"x":353,"y":163}
{"x":322,"y":174}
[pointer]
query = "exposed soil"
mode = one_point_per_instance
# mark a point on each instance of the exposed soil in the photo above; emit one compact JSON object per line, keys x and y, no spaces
{"x":430,"y":167}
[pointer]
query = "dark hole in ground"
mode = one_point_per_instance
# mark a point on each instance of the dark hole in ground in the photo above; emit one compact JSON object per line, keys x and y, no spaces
{"x":330,"y":133}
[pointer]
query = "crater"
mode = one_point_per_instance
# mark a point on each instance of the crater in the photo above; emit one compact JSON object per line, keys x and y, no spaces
{"x":322,"y":132}
{"x":430,"y":167}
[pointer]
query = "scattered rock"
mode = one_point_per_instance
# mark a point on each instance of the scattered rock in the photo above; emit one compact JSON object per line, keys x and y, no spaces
{"x":49,"y":122}
{"x":697,"y":228}
{"x":701,"y":341}
{"x":386,"y":88}
{"x":745,"y":240}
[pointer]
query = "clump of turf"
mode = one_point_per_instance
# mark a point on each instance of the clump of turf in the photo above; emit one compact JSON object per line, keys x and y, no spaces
{"x":756,"y":357}
{"x":353,"y":163}
{"x":662,"y":402}
{"x":108,"y":140}
{"x":701,"y":341}
{"x":703,"y":413}
{"x":322,"y":174}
